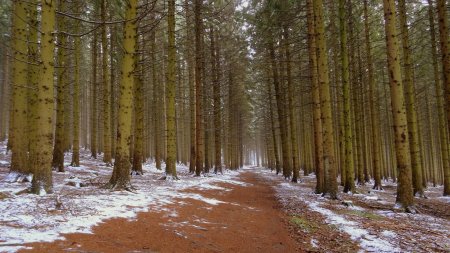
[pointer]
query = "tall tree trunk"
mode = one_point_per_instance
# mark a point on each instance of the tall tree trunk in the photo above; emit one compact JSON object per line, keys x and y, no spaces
{"x":106,"y":92}
{"x":156,"y":103}
{"x":42,"y":178}
{"x":273,"y":129}
{"x":58,"y":149}
{"x":410,"y":96}
{"x":373,"y":105}
{"x":19,"y":140}
{"x":349,"y":184}
{"x":94,"y":98}
{"x":120,"y":178}
{"x":404,"y":188}
{"x":198,"y":84}
{"x":215,"y":66}
{"x":32,"y":81}
{"x":317,"y":118}
{"x":138,"y":116}
{"x":439,"y":98}
{"x":192,"y":84}
{"x":445,"y":51}
{"x":76,"y":100}
{"x":279,"y":97}
{"x":171,"y":90}
{"x":325,"y":99}
{"x":291,"y":107}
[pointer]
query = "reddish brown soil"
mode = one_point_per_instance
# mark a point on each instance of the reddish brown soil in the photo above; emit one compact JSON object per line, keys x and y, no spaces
{"x":249,"y":221}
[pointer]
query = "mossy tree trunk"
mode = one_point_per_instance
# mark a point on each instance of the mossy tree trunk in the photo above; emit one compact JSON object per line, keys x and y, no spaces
{"x":410,"y":98}
{"x":402,"y":152}
{"x":349,"y":184}
{"x":439,"y":96}
{"x":373,"y":97}
{"x":42,"y":179}
{"x":325,"y":101}
{"x":318,"y":131}
{"x":19,"y":137}
{"x":33,"y":79}
{"x":171,"y":171}
{"x":120,"y":179}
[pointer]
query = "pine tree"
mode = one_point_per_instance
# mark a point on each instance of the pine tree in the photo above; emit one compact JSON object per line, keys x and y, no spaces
{"x":18,"y":140}
{"x":404,"y":188}
{"x":42,"y":178}
{"x":317,"y":119}
{"x":349,"y":184}
{"x":199,"y":146}
{"x":445,"y":51}
{"x":120,"y":178}
{"x":325,"y":101}
{"x":106,"y":91}
{"x":171,"y":171}
{"x":76,"y":99}
{"x":410,"y":96}
{"x":58,"y":149}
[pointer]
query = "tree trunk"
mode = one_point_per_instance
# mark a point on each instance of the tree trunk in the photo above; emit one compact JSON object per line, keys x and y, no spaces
{"x":120,"y":178}
{"x":106,"y":92}
{"x":198,"y":84}
{"x":349,"y":184}
{"x":445,"y":51}
{"x":33,"y":79}
{"x":76,"y":101}
{"x":325,"y":101}
{"x":19,"y":139}
{"x":404,"y":188}
{"x":215,"y":66}
{"x":171,"y":90}
{"x":318,"y":129}
{"x":94,"y":98}
{"x":58,"y":149}
{"x":42,"y":179}
{"x":410,"y":97}
{"x":138,"y":117}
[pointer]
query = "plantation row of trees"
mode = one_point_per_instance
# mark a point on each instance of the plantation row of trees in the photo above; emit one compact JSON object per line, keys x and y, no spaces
{"x":355,"y":91}
{"x":130,"y":80}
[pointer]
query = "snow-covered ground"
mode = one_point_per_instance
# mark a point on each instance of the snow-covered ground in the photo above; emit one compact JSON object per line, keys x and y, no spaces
{"x":27,"y":218}
{"x":369,"y":217}
{"x":388,"y":230}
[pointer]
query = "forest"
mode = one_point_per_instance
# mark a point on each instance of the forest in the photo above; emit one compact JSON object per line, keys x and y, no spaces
{"x":224,"y":126}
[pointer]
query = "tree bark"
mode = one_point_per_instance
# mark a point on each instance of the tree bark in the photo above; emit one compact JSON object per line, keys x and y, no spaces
{"x":42,"y":179}
{"x":402,"y":152}
{"x":120,"y":178}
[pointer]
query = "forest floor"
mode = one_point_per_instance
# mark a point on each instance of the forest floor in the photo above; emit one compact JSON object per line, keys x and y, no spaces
{"x":252,"y":210}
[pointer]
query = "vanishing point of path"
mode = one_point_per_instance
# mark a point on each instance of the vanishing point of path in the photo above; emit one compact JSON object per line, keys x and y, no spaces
{"x":245,"y":219}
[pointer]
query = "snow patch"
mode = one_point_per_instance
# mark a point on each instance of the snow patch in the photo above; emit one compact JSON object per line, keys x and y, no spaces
{"x":29,"y":218}
{"x":314,"y":243}
{"x":366,"y":240}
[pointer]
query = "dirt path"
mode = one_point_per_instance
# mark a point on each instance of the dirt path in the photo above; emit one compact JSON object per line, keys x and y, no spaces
{"x":246,"y":219}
